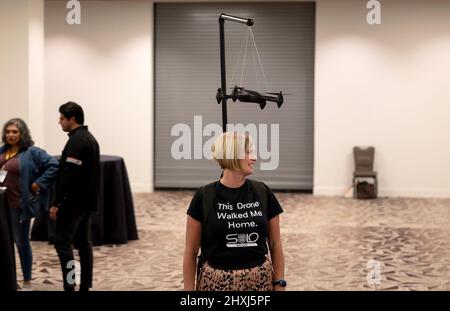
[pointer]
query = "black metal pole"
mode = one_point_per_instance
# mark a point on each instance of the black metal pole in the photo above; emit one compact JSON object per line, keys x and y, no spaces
{"x":223,"y":74}
{"x":222,"y":18}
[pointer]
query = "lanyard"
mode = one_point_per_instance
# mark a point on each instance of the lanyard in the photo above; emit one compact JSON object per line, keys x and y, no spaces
{"x":8,"y":156}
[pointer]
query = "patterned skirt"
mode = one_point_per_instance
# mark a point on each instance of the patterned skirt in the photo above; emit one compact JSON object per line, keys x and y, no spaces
{"x":258,"y":278}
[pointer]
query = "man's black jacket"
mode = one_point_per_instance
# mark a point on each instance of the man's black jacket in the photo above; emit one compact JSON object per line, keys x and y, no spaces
{"x":78,"y":181}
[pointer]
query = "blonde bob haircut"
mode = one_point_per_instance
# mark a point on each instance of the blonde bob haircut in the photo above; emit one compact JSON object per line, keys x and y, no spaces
{"x":230,"y":147}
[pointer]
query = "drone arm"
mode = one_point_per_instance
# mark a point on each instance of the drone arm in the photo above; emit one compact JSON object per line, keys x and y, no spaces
{"x":270,"y":98}
{"x":279,"y":99}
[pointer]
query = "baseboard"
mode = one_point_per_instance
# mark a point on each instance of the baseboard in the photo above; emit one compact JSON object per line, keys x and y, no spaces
{"x":389,"y":192}
{"x":415,"y":192}
{"x":141,"y":188}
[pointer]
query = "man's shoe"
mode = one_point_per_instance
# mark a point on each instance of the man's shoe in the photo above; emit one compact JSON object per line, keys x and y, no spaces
{"x":26,"y":286}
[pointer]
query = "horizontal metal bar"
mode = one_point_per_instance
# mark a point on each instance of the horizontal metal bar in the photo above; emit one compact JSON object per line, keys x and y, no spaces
{"x":247,"y":21}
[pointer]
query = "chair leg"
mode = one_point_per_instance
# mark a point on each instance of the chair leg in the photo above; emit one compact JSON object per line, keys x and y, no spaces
{"x":376,"y":187}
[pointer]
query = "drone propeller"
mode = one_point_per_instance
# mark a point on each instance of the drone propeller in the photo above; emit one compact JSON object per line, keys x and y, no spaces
{"x":219,"y":96}
{"x":280,"y":102}
{"x":234,"y":93}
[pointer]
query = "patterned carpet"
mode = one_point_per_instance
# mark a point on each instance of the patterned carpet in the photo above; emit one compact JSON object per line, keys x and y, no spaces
{"x":330,"y":243}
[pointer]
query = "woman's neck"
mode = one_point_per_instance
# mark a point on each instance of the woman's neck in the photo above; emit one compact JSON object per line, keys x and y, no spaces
{"x":232,"y":179}
{"x":13,"y":149}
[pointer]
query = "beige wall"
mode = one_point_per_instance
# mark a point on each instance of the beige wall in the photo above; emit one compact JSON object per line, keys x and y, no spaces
{"x":21,"y":63}
{"x":13,"y":59}
{"x":36,"y":105}
{"x":387,"y":86}
{"x":105,"y":65}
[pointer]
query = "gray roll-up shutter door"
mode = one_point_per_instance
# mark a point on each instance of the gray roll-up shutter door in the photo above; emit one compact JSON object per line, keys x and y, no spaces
{"x":187,"y":75}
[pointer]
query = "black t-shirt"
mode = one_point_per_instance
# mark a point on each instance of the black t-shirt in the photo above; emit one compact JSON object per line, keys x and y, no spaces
{"x":236,"y":227}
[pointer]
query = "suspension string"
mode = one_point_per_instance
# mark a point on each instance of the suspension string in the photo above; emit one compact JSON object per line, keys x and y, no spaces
{"x":256,"y":70}
{"x":259,"y":59}
{"x":238,"y":58}
{"x":245,"y":57}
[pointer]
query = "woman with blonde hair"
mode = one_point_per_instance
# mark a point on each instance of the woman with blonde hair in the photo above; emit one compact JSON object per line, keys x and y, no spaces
{"x":235,"y":222}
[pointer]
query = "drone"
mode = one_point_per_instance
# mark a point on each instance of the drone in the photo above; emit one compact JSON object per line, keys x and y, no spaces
{"x":248,"y":96}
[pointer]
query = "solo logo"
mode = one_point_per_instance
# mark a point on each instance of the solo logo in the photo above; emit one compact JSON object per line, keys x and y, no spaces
{"x":242,"y":239}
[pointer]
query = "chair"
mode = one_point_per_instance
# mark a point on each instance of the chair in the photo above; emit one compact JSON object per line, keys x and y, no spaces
{"x":364,"y":159}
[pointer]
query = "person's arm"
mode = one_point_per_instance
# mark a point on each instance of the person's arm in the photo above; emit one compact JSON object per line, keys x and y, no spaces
{"x":49,"y":167}
{"x":193,"y":240}
{"x":276,"y":250}
{"x":70,"y":172}
{"x":69,"y":175}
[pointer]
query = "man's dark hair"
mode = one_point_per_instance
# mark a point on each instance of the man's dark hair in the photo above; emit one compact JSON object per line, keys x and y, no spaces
{"x":72,"y":109}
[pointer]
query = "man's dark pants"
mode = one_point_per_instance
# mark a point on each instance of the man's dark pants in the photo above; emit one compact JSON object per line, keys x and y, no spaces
{"x":73,"y":227}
